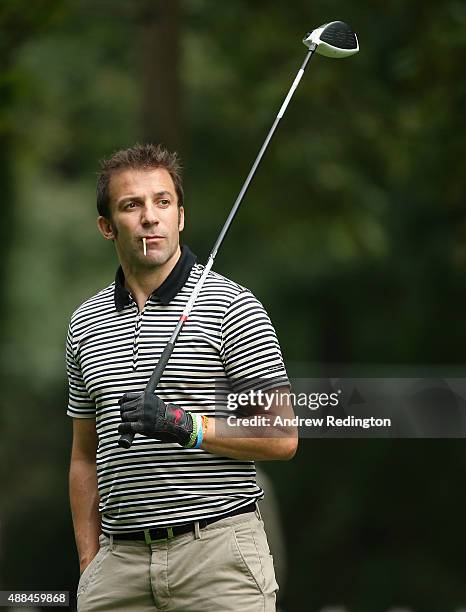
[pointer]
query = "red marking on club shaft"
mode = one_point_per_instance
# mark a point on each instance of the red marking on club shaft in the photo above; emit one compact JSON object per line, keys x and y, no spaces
{"x":184,"y":318}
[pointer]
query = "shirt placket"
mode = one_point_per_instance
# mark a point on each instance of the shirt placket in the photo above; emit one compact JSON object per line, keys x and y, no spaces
{"x":137,"y":333}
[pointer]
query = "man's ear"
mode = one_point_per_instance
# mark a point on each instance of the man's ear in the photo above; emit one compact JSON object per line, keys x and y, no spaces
{"x":180,"y":219}
{"x":106,"y":228}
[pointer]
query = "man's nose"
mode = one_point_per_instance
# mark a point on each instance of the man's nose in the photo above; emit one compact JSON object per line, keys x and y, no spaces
{"x":149,"y":214}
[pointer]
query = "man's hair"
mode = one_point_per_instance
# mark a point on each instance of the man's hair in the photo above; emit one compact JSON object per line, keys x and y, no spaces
{"x":138,"y":157}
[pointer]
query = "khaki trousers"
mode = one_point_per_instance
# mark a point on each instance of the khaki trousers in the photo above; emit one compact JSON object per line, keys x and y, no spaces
{"x":224,"y":567}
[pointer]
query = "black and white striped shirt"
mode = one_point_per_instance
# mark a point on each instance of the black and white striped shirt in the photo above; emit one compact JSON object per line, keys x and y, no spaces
{"x":112,"y":348}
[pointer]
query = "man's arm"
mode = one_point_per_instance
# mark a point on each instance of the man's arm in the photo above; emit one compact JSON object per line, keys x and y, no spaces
{"x":275,"y":440}
{"x":232,"y":436}
{"x":84,"y":497}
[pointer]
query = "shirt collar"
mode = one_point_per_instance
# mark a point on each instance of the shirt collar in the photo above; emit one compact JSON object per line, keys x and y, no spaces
{"x":168,"y":289}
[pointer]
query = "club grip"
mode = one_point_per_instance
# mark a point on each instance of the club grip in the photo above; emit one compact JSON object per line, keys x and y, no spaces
{"x":126,"y":439}
{"x":160,"y":368}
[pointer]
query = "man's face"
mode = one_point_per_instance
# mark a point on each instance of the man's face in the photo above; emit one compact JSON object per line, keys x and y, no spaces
{"x":144,"y":204}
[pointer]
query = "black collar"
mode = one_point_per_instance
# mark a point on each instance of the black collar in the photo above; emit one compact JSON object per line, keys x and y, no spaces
{"x":168,"y":289}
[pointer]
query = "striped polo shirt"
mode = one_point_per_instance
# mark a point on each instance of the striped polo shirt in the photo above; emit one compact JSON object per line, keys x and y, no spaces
{"x":112,"y":348}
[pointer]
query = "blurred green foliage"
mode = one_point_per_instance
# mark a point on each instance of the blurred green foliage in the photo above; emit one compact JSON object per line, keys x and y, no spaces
{"x":353,"y":234}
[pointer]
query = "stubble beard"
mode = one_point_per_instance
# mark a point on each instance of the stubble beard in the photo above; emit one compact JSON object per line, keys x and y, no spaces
{"x":158,"y":258}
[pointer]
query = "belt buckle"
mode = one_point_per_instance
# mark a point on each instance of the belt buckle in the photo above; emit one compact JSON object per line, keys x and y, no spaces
{"x":149,"y":540}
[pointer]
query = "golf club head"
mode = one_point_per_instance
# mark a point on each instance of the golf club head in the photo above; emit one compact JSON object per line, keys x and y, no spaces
{"x":335,"y":39}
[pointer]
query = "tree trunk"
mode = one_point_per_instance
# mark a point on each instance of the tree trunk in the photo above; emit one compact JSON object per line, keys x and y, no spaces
{"x":160,"y":83}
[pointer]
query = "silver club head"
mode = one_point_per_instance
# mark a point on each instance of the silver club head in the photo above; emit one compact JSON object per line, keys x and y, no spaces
{"x":334,"y":39}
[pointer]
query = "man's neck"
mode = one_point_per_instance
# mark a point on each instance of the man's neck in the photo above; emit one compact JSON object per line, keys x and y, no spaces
{"x":141,"y":283}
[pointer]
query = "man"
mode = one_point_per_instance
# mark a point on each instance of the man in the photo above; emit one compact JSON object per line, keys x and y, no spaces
{"x":171,"y":522}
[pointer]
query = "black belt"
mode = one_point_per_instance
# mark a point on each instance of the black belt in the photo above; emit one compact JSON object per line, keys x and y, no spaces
{"x":159,"y":534}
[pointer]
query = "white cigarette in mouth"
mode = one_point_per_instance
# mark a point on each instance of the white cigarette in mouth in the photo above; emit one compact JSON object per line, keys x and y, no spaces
{"x":144,"y":246}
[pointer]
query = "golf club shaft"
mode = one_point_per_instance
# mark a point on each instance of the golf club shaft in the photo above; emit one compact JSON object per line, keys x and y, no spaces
{"x":127,"y":439}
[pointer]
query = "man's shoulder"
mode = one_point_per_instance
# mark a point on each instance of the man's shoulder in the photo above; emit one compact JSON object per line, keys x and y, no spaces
{"x":216,"y":279}
{"x":98,"y":303}
{"x":220,"y":288}
{"x":218,"y":282}
{"x":226,"y":291}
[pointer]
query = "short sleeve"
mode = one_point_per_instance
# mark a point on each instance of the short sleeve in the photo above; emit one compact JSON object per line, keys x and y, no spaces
{"x":80,"y":405}
{"x":249,"y":346}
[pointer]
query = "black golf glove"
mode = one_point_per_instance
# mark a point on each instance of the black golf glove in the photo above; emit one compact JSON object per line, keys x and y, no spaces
{"x":147,"y":414}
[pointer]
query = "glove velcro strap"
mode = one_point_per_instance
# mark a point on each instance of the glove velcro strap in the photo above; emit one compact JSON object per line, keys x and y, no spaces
{"x":197,"y":431}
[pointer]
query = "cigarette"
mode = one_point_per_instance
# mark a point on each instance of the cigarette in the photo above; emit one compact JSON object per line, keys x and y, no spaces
{"x":144,"y":246}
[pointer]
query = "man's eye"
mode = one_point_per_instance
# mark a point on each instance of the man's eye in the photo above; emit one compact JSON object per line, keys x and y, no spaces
{"x":164,"y":202}
{"x":131,"y":204}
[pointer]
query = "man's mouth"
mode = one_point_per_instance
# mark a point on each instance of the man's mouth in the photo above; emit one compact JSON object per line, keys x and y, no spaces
{"x":153,"y":238}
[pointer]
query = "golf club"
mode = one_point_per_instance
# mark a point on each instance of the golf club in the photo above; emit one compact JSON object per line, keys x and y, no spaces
{"x":334,"y":39}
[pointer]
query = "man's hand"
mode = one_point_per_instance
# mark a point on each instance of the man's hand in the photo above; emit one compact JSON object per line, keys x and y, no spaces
{"x":85,"y":562}
{"x":147,"y":414}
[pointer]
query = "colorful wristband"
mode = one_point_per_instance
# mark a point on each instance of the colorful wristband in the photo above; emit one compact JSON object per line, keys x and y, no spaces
{"x":200,"y":432}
